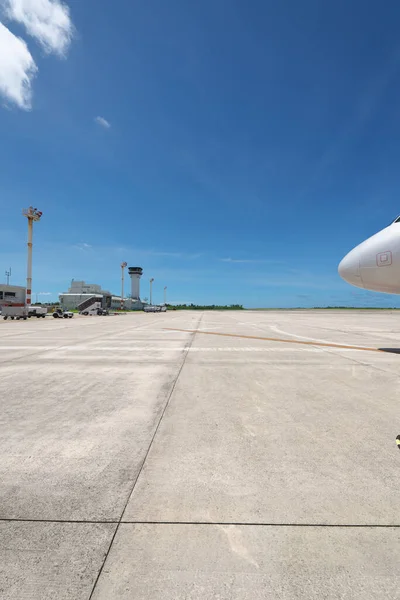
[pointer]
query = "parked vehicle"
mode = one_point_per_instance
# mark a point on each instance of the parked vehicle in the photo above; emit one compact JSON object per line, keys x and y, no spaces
{"x":59,"y":313}
{"x":154,"y":308}
{"x":15,"y":312}
{"x":95,"y":310}
{"x":37,"y":311}
{"x":91,"y":306}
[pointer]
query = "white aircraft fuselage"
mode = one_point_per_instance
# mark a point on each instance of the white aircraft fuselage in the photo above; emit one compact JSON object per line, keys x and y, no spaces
{"x":375,"y":263}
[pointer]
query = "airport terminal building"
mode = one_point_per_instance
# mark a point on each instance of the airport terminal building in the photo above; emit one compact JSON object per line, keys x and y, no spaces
{"x":12,"y":295}
{"x":80,"y":291}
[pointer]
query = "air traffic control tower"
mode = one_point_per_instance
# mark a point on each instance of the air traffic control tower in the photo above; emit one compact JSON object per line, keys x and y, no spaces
{"x":135,"y":274}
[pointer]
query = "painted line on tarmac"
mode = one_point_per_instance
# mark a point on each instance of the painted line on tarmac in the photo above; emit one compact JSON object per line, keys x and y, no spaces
{"x":282,"y":341}
{"x":96,"y":350}
{"x":41,"y":348}
{"x":304,"y":337}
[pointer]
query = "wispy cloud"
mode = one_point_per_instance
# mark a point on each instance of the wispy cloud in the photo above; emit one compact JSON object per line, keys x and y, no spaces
{"x":238,"y":260}
{"x":157,"y":253}
{"x":82,"y":246}
{"x":124,"y":252}
{"x":366,"y":106}
{"x":17,"y":69}
{"x":182,"y":255}
{"x":102,"y":122}
{"x":251,"y":261}
{"x":291,"y":281}
{"x":47,"y":21}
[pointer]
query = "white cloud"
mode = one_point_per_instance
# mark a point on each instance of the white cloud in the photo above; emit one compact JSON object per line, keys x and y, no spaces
{"x":102,"y":122}
{"x":182,"y":255}
{"x":17,"y":69}
{"x":48,"y":21}
{"x":251,"y":261}
{"x":82,"y":246}
{"x":168,"y":254}
{"x":236,"y":260}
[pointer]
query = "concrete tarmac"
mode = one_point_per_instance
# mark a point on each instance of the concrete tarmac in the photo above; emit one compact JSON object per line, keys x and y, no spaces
{"x":195,"y":455}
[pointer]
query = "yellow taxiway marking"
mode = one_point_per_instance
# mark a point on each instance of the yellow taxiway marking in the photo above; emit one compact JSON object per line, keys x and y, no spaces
{"x":281,"y":340}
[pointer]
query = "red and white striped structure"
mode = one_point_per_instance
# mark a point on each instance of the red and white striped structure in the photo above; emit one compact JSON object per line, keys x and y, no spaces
{"x":32,"y":214}
{"x":123,"y":265}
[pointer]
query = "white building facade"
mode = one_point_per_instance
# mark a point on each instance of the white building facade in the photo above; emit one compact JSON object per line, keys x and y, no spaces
{"x":12,"y":295}
{"x":80,"y":291}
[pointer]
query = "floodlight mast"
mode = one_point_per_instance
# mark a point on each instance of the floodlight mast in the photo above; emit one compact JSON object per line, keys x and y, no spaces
{"x":32,"y":214}
{"x":151,"y":291}
{"x":123,"y":265}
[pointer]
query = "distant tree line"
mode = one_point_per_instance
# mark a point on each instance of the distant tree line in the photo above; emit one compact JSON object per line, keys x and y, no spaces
{"x":45,"y":304}
{"x":204,"y":307}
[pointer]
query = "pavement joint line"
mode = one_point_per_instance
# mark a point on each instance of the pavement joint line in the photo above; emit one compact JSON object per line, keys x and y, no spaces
{"x":257,"y":524}
{"x":367,"y":364}
{"x":104,"y":334}
{"x":188,"y":345}
{"x":72,"y":521}
{"x":276,"y":329}
{"x":206,"y":523}
{"x":280,"y":340}
{"x":139,"y":349}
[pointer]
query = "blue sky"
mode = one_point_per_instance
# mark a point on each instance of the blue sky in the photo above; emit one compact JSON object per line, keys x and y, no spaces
{"x":235,"y":150}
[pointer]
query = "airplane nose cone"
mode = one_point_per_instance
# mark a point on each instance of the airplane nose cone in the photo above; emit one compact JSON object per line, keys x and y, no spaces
{"x":349,"y":269}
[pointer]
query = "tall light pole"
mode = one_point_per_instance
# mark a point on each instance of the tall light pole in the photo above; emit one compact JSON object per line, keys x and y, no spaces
{"x":165,"y":295}
{"x":32,"y":214}
{"x":151,"y":291}
{"x":123,"y":265}
{"x":8,"y":275}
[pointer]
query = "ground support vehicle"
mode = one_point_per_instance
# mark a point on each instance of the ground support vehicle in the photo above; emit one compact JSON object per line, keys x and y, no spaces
{"x":37,"y":311}
{"x":15,"y":312}
{"x":59,"y":313}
